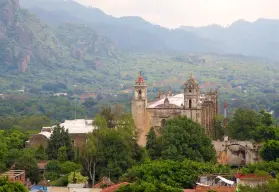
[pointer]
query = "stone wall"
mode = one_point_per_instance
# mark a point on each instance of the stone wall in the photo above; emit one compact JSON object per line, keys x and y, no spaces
{"x":36,"y":140}
{"x":237,"y":152}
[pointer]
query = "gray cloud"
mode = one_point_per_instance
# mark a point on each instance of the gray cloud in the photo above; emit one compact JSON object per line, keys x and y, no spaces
{"x":172,"y":13}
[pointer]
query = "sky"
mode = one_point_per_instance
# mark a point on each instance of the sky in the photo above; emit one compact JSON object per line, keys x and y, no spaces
{"x":174,"y":13}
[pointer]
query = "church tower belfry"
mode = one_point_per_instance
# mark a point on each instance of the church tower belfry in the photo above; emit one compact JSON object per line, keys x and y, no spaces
{"x":138,"y":108}
{"x":191,"y":94}
{"x":140,"y":89}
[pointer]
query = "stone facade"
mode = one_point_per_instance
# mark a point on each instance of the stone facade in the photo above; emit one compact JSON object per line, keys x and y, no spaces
{"x":200,"y":107}
{"x":237,"y":153}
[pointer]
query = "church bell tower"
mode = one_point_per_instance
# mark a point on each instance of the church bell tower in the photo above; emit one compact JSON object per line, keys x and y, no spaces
{"x":139,"y":105}
{"x":191,"y":94}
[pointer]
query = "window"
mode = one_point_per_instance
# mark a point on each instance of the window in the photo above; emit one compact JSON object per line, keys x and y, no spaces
{"x":190,"y":91}
{"x":190,"y":103}
{"x":140,"y":94}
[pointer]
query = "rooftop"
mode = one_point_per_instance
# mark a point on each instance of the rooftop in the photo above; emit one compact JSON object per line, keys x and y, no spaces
{"x":177,"y":100}
{"x":73,"y":126}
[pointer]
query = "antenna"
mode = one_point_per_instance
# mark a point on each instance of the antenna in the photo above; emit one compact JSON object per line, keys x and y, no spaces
{"x":225,"y":114}
{"x":75,"y":108}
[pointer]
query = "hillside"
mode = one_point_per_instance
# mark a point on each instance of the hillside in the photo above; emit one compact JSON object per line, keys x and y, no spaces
{"x":259,"y":38}
{"x":33,"y":54}
{"x":25,"y":40}
{"x":128,"y":33}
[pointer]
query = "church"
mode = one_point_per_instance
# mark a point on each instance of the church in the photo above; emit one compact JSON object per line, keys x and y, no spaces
{"x":200,"y":107}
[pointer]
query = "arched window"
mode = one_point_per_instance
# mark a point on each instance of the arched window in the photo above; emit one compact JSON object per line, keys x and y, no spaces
{"x":163,"y":122}
{"x":140,"y":94}
{"x":190,"y":103}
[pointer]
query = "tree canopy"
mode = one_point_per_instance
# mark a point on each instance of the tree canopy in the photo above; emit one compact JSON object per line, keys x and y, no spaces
{"x":6,"y":186}
{"x":160,"y":175}
{"x":181,"y":138}
{"x":60,"y":138}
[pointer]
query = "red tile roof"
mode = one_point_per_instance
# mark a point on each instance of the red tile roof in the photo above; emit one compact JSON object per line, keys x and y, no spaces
{"x":114,"y":187}
{"x":140,"y":79}
{"x":189,"y":190}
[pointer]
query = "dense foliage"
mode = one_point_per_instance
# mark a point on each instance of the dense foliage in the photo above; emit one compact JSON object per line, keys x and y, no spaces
{"x":181,"y":138}
{"x":111,"y":151}
{"x":60,"y":145}
{"x":248,"y":124}
{"x":6,"y":186}
{"x":166,"y":174}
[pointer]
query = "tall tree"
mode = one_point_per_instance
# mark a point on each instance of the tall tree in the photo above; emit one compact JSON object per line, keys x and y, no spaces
{"x":41,"y":153}
{"x":218,"y":128}
{"x":28,"y":163}
{"x":244,"y":122}
{"x":60,"y":137}
{"x":62,"y":154}
{"x":266,"y":118}
{"x":183,"y":138}
{"x":90,"y":155}
{"x":151,"y":144}
{"x":270,"y":150}
{"x":110,"y":152}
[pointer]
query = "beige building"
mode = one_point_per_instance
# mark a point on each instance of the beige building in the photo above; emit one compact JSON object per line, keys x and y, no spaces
{"x":78,"y":130}
{"x":200,"y":107}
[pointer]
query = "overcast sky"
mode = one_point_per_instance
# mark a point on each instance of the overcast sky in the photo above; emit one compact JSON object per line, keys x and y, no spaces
{"x":173,"y":13}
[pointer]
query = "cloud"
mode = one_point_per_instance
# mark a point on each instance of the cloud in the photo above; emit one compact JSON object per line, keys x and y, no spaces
{"x":173,"y":13}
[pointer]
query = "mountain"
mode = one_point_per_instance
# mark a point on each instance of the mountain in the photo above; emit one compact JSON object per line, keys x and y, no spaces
{"x":128,"y":33}
{"x":24,"y":39}
{"x":259,"y":38}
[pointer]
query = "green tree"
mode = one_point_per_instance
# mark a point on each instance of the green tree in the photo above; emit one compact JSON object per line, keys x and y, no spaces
{"x":90,"y":155}
{"x":14,"y":138}
{"x":270,"y":150}
{"x":59,"y":138}
{"x":243,"y":124}
{"x":111,"y":151}
{"x":218,"y":129}
{"x":109,"y":116}
{"x":41,"y":153}
{"x":28,"y":163}
{"x":3,"y":152}
{"x":151,"y":144}
{"x":266,"y":118}
{"x":12,"y":155}
{"x":265,"y":133}
{"x":69,"y":167}
{"x":34,"y":122}
{"x":174,"y":175}
{"x":6,"y":186}
{"x":76,"y":177}
{"x":62,"y":154}
{"x":183,"y":138}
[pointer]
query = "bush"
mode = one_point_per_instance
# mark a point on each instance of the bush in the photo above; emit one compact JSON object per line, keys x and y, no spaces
{"x":69,"y":167}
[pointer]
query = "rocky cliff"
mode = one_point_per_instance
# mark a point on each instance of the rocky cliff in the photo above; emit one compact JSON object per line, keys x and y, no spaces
{"x":25,"y":40}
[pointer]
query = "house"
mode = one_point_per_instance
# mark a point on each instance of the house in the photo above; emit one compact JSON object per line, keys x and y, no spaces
{"x":251,"y":180}
{"x":15,"y":176}
{"x":78,"y":130}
